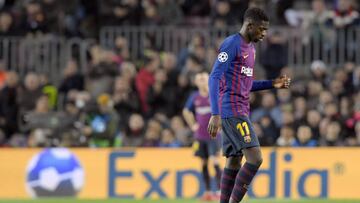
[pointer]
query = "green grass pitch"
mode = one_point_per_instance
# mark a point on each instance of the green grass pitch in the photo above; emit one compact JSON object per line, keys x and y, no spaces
{"x":170,"y":201}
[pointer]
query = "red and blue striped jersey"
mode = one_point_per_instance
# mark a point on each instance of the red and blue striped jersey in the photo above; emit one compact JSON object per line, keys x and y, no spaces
{"x":232,"y":78}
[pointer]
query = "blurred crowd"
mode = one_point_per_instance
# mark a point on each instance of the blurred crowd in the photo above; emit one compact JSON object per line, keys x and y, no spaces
{"x":84,"y":18}
{"x":119,"y":101}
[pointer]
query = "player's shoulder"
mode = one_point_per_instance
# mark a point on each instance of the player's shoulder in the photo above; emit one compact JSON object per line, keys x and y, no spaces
{"x":230,"y":42}
{"x":194,"y":94}
{"x":231,"y":39}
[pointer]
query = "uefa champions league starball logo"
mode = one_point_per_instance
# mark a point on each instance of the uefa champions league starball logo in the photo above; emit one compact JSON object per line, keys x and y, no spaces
{"x":222,"y":57}
{"x":54,"y":173}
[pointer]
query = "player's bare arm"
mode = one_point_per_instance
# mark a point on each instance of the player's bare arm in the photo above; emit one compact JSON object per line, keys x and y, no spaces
{"x":190,"y":119}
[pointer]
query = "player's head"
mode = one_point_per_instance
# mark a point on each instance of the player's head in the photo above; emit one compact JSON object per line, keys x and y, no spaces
{"x":201,"y":80}
{"x":256,"y":23}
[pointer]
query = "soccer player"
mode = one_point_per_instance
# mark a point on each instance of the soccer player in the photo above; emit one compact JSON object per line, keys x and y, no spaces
{"x":205,"y":147}
{"x":230,"y":83}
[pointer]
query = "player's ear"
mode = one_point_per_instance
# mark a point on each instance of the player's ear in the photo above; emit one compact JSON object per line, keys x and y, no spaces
{"x":250,"y":24}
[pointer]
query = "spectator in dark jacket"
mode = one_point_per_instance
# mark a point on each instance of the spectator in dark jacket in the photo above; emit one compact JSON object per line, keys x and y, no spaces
{"x":8,"y":105}
{"x":274,"y":57}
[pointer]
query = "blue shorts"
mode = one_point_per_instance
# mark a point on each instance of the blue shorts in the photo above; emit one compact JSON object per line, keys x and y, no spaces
{"x":206,"y":148}
{"x":237,"y":134}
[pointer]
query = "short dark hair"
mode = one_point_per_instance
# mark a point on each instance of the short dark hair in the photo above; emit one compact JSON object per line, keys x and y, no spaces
{"x":256,"y":14}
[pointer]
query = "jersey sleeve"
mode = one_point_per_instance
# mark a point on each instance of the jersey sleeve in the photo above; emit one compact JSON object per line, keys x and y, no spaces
{"x":261,"y":85}
{"x":227,"y":53}
{"x":190,"y":102}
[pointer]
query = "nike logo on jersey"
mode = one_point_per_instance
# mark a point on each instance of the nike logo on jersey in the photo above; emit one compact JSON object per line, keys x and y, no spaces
{"x":247,"y":71}
{"x":245,"y":56}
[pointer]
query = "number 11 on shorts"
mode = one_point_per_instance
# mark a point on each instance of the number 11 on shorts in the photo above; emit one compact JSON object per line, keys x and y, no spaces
{"x":243,"y":128}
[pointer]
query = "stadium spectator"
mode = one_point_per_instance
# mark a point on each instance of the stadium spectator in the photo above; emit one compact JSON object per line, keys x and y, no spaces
{"x":152,"y":134}
{"x":287,"y":137}
{"x":7,"y":27}
{"x":169,"y":12}
{"x":34,"y":20}
{"x":133,"y":135}
{"x":182,"y":133}
{"x":8,"y":105}
{"x":268,"y":125}
{"x":102,"y":71}
{"x":268,"y":107}
{"x":197,"y":40}
{"x":284,"y":98}
{"x":2,"y":75}
{"x":288,"y":118}
{"x":344,"y":15}
{"x":121,"y":50}
{"x":199,"y":8}
{"x":272,"y":58}
{"x":102,"y":123}
{"x":313,"y":119}
{"x":332,"y":136}
{"x":128,"y":72}
{"x":192,"y":66}
{"x":145,"y":78}
{"x":29,"y":93}
{"x":168,"y":63}
{"x":319,"y":71}
{"x":126,"y":101}
{"x":264,"y":139}
{"x":39,"y":123}
{"x":168,"y":139}
{"x":72,"y":78}
{"x":325,"y":98}
{"x":151,"y":16}
{"x":304,"y":137}
{"x":300,"y":110}
{"x":314,"y":88}
{"x":315,"y":24}
{"x":115,"y":12}
{"x":161,"y":96}
{"x":221,"y":16}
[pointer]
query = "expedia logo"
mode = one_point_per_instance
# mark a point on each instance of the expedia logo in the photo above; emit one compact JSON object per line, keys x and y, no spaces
{"x":247,"y":71}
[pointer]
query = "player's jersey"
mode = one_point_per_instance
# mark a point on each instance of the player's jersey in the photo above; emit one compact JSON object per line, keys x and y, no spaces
{"x":200,"y":105}
{"x":231,"y":79}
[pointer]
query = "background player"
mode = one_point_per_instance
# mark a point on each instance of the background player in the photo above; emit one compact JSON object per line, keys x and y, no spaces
{"x":206,"y":148}
{"x":230,"y":84}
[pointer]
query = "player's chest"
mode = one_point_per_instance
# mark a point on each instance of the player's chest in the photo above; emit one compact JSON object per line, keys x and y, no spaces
{"x":244,"y":63}
{"x":245,"y":57}
{"x":202,"y":106}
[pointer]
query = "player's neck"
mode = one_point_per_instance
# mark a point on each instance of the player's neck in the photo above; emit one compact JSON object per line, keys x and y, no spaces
{"x":244,"y":35}
{"x":204,"y":92}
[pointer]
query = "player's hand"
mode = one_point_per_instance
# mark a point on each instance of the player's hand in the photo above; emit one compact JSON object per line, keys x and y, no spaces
{"x":214,"y":125}
{"x":282,"y":82}
{"x":195,"y":127}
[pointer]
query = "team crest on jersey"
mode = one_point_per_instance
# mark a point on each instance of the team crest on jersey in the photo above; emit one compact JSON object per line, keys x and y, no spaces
{"x":247,"y":71}
{"x":222,"y":57}
{"x":247,"y":139}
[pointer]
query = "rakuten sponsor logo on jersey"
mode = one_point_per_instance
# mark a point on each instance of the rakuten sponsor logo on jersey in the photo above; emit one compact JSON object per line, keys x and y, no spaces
{"x":247,"y":71}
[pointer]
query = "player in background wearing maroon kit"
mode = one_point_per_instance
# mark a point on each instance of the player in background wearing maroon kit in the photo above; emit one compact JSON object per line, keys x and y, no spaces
{"x":197,"y":113}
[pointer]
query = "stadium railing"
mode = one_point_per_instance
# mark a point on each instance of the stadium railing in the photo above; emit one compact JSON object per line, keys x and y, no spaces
{"x":333,"y":46}
{"x":48,"y":54}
